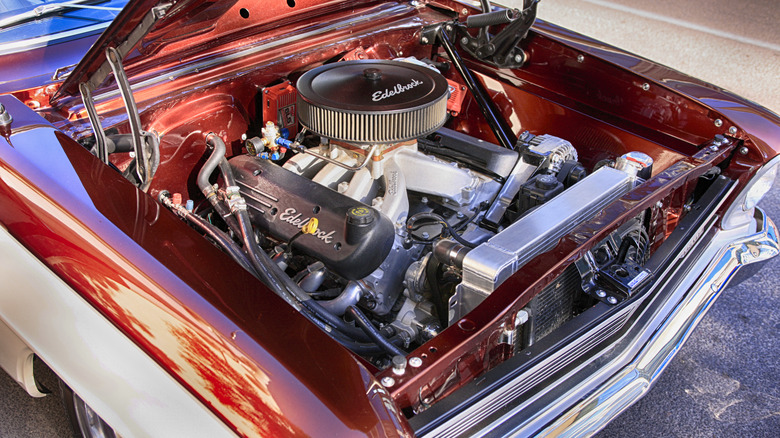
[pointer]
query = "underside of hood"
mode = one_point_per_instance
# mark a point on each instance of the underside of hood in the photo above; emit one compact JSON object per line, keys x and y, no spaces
{"x":148,"y":29}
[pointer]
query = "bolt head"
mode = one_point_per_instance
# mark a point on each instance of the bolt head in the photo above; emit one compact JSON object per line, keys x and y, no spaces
{"x":659,"y":204}
{"x":399,"y":365}
{"x":464,"y":41}
{"x":718,"y":123}
{"x":415,"y":362}
{"x":744,"y":150}
{"x":387,"y":382}
{"x":424,"y":40}
{"x":580,"y":58}
{"x":733,"y":130}
{"x":719,"y":140}
{"x":645,"y":86}
{"x":5,"y":117}
{"x":600,"y":293}
{"x":518,"y":59}
{"x":612,"y":300}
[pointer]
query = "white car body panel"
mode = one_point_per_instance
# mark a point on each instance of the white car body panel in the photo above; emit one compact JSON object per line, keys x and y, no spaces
{"x":128,"y":389}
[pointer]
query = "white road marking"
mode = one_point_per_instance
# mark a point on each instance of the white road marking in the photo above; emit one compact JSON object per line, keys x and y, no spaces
{"x":686,"y":24}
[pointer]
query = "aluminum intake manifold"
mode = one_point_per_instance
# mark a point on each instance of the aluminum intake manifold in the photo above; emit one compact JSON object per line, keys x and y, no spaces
{"x":384,"y":183}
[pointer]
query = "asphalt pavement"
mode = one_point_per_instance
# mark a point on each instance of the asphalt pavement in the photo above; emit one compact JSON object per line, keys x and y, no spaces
{"x":725,"y":380}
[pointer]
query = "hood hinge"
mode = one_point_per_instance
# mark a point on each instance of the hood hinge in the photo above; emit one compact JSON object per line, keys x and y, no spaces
{"x":145,"y":144}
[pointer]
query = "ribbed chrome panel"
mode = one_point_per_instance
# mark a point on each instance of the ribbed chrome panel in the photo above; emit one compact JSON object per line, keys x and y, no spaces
{"x":479,"y":411}
{"x":373,"y":128}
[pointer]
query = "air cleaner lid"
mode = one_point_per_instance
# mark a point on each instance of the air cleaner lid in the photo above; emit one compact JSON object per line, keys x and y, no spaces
{"x":354,"y":100}
{"x":372,"y":86}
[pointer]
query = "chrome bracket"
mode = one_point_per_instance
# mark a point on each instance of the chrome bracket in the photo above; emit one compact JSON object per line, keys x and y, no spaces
{"x":369,"y":155}
{"x":62,"y":72}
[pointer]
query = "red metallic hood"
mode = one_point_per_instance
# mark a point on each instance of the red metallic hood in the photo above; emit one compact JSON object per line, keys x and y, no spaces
{"x":149,"y":29}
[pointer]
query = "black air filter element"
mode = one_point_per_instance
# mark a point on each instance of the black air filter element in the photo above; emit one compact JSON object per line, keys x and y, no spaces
{"x":372,"y":101}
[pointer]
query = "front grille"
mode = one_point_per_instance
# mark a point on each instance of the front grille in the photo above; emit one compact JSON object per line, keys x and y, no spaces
{"x":512,"y":391}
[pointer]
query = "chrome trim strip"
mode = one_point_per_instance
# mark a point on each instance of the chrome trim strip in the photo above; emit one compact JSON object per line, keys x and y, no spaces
{"x":634,"y":380}
{"x":46,"y":40}
{"x":699,"y":253}
{"x":522,"y":383}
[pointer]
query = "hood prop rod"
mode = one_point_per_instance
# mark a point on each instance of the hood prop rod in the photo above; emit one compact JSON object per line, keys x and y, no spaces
{"x":146,"y":149}
{"x":145,"y":145}
{"x":493,"y":116}
{"x":100,"y":148}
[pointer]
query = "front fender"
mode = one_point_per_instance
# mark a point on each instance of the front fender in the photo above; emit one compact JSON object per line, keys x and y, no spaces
{"x":235,"y":346}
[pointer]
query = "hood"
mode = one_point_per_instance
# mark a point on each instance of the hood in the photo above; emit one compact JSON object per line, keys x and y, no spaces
{"x":146,"y":30}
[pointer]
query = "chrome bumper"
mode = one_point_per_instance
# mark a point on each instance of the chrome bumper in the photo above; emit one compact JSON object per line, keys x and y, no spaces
{"x":633,"y":381}
{"x":583,"y":400}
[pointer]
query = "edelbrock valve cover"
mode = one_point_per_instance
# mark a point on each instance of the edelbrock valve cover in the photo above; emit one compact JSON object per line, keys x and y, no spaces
{"x":352,"y":238}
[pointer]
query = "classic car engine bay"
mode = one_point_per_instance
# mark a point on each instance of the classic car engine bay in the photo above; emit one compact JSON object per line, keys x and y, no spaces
{"x":404,"y":199}
{"x":400,"y":203}
{"x":375,"y":208}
